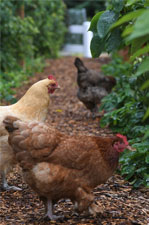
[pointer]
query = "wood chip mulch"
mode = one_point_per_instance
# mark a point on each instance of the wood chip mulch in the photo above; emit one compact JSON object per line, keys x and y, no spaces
{"x":121,"y":203}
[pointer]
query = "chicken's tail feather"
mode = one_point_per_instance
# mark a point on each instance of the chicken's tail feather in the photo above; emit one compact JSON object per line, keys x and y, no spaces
{"x":9,"y":123}
{"x":21,"y":152}
{"x":80,"y":66}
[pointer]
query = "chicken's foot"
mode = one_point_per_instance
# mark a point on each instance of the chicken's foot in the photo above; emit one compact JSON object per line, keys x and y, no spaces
{"x":95,"y":208}
{"x":97,"y":114}
{"x":5,"y":185}
{"x":49,"y":213}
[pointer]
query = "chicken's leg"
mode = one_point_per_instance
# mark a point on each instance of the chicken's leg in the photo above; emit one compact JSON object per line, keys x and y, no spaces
{"x":96,"y":113}
{"x":5,"y":185}
{"x":49,"y":213}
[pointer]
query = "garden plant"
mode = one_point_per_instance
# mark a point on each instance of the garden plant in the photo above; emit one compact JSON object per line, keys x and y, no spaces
{"x":28,"y":36}
{"x":124,"y":25}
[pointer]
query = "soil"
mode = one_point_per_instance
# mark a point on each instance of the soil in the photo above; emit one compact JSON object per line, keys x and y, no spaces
{"x":121,"y":203}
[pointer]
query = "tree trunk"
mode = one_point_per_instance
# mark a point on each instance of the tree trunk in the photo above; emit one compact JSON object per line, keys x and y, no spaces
{"x":21,"y":13}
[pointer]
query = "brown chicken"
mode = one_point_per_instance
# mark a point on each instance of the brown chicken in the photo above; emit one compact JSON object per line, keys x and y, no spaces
{"x":59,"y":166}
{"x":93,"y":86}
{"x":33,"y":106}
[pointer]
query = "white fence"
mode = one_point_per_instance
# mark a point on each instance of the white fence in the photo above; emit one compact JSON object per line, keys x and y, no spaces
{"x":87,"y":36}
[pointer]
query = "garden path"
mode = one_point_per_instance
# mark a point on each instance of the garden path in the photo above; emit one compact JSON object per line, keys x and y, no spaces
{"x":121,"y":203}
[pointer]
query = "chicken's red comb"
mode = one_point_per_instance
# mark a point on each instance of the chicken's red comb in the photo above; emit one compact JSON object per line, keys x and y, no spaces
{"x":51,"y":77}
{"x":123,"y":137}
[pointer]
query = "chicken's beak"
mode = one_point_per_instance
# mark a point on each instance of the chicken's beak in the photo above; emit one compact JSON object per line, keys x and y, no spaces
{"x":131,"y":148}
{"x":58,"y":87}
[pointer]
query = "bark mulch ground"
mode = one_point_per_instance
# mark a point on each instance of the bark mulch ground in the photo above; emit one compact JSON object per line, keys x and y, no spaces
{"x":121,"y":203}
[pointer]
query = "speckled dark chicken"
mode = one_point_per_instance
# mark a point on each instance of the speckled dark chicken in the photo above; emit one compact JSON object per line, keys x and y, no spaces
{"x":92,"y":86}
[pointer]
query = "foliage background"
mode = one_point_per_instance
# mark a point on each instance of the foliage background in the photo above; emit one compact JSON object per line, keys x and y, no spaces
{"x":90,"y":6}
{"x":125,"y":25}
{"x":39,"y":35}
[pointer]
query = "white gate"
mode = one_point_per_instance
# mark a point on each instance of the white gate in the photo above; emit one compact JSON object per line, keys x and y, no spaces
{"x":83,"y":48}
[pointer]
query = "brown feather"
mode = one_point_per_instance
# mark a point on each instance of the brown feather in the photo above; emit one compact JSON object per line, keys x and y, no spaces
{"x":59,"y":166}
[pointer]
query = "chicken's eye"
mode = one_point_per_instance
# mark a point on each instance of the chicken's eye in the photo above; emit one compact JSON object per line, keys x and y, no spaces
{"x":115,"y":143}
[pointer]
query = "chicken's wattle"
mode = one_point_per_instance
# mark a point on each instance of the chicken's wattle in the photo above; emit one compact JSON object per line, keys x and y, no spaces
{"x":119,"y":147}
{"x":51,"y":90}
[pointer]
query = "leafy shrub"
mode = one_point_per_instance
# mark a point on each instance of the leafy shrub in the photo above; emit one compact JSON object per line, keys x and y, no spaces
{"x":121,"y":24}
{"x":125,"y":108}
{"x":126,"y":24}
{"x":135,"y":164}
{"x":32,"y":38}
{"x":87,"y":4}
{"x":49,"y":18}
{"x":11,"y":80}
{"x":16,"y":36}
{"x":40,"y":33}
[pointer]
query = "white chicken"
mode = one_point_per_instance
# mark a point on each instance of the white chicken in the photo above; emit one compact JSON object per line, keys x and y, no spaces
{"x":33,"y":106}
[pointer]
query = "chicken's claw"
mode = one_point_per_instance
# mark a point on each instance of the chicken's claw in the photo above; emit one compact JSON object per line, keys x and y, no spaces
{"x":8,"y":188}
{"x":49,"y":214}
{"x":95,"y":208}
{"x":53,"y":217}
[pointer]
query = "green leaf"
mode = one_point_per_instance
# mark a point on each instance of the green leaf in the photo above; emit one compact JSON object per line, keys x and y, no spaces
{"x":93,"y":26}
{"x":147,"y":158}
{"x":146,"y":114}
{"x":143,"y":67}
{"x":128,"y":17}
{"x":138,"y":43}
{"x":131,"y":2}
{"x":140,"y":52}
{"x":118,"y":5}
{"x":146,"y":4}
{"x":128,"y":30}
{"x":97,"y":46}
{"x":146,"y":135}
{"x":114,"y":40}
{"x":141,"y":26}
{"x":104,"y":23}
{"x":145,"y":85}
{"x":130,"y":175}
{"x":138,"y":183}
{"x":140,"y":170}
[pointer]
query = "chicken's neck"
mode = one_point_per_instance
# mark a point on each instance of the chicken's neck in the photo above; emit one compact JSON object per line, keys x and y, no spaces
{"x":108,"y":153}
{"x":33,"y":105}
{"x":111,"y":158}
